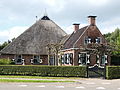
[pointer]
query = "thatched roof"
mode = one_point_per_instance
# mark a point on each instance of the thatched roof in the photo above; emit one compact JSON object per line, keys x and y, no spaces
{"x":35,"y":39}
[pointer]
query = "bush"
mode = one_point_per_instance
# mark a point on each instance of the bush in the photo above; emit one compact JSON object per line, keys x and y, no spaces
{"x":112,"y":72}
{"x":31,"y":70}
{"x":5,"y":62}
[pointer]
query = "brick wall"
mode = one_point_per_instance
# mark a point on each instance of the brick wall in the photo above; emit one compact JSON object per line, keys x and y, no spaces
{"x":27,"y":58}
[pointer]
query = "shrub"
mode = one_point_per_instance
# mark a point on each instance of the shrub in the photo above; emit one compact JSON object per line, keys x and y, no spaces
{"x":112,"y":72}
{"x":32,"y":70}
{"x":5,"y":62}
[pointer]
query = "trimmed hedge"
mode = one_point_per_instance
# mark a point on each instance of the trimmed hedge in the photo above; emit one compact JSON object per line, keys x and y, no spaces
{"x":61,"y":71}
{"x":6,"y":62}
{"x":112,"y":72}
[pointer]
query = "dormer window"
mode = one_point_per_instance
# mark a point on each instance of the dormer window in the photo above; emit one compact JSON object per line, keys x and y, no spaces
{"x":88,"y":40}
{"x":98,"y":40}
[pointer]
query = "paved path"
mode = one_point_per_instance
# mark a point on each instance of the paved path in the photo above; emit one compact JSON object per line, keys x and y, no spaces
{"x":83,"y":84}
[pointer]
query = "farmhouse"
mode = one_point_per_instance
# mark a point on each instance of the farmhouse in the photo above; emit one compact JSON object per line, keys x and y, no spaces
{"x":45,"y":43}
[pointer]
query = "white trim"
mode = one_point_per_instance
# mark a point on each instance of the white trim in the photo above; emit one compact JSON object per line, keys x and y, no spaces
{"x":79,"y":62}
{"x":96,"y":65}
{"x":38,"y":59}
{"x":23,"y":61}
{"x":31,"y":61}
{"x":41,"y":61}
{"x":70,"y":49}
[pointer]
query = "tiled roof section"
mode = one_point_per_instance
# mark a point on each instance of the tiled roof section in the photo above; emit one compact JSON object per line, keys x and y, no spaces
{"x":73,"y":38}
{"x":64,"y":39}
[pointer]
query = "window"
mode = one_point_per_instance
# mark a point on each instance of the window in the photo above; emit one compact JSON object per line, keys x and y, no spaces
{"x":103,"y":60}
{"x":67,"y":59}
{"x":98,"y":40}
{"x":71,"y":58}
{"x":88,"y":40}
{"x":82,"y":58}
{"x":19,"y":59}
{"x":51,"y":60}
{"x":36,"y":59}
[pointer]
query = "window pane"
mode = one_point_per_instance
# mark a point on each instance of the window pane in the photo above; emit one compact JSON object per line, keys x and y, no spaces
{"x":36,"y":59}
{"x":71,"y":58}
{"x":82,"y":58}
{"x":19,"y":59}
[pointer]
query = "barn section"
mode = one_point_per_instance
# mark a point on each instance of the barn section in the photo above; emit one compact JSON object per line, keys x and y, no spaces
{"x":30,"y":46}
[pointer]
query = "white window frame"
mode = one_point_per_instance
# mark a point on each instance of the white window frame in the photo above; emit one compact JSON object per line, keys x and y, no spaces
{"x":16,"y":59}
{"x":98,"y":38}
{"x":62,"y":59}
{"x":39,"y":60}
{"x":79,"y":58}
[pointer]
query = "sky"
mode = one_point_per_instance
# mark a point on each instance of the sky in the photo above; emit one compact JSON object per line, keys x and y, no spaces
{"x":18,"y":15}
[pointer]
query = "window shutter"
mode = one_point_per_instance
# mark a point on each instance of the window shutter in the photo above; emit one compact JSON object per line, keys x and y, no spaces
{"x":71,"y":58}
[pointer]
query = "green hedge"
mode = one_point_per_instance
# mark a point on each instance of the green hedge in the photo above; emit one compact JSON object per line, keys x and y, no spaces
{"x":6,"y":62}
{"x":62,"y":71}
{"x":112,"y":72}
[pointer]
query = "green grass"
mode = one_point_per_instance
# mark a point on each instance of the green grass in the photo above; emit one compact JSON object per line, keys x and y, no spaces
{"x":32,"y":81}
{"x":37,"y":77}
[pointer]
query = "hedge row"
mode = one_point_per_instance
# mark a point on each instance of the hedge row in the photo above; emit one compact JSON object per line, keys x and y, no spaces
{"x":6,"y":62}
{"x":62,"y":71}
{"x":112,"y":72}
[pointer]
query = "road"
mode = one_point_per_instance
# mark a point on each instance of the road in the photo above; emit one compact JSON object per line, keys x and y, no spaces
{"x":83,"y":84}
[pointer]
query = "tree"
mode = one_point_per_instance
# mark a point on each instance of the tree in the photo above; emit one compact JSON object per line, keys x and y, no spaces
{"x":54,"y":50}
{"x":6,"y":43}
{"x":114,"y":40}
{"x":3,"y":45}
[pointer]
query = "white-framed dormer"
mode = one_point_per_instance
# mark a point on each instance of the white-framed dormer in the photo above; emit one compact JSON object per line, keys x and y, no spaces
{"x":87,"y":40}
{"x":98,"y":40}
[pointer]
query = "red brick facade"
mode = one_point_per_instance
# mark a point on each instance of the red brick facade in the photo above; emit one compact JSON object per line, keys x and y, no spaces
{"x":27,"y":59}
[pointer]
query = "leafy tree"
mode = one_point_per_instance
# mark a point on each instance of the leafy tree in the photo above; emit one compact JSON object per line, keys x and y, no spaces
{"x":114,"y":40}
{"x":6,"y":43}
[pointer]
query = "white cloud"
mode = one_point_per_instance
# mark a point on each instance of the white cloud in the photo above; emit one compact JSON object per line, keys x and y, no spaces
{"x":109,"y":29}
{"x":110,"y":25}
{"x":11,"y":33}
{"x":98,"y":2}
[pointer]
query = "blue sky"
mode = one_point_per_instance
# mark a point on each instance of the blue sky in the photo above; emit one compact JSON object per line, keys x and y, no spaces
{"x":17,"y":15}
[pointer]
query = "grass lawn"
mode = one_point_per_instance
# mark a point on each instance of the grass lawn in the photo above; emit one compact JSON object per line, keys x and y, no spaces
{"x":32,"y":81}
{"x":37,"y":77}
{"x":7,"y":78}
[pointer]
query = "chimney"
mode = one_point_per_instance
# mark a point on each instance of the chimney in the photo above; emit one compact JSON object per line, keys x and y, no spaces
{"x":91,"y":20}
{"x":76,"y":26}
